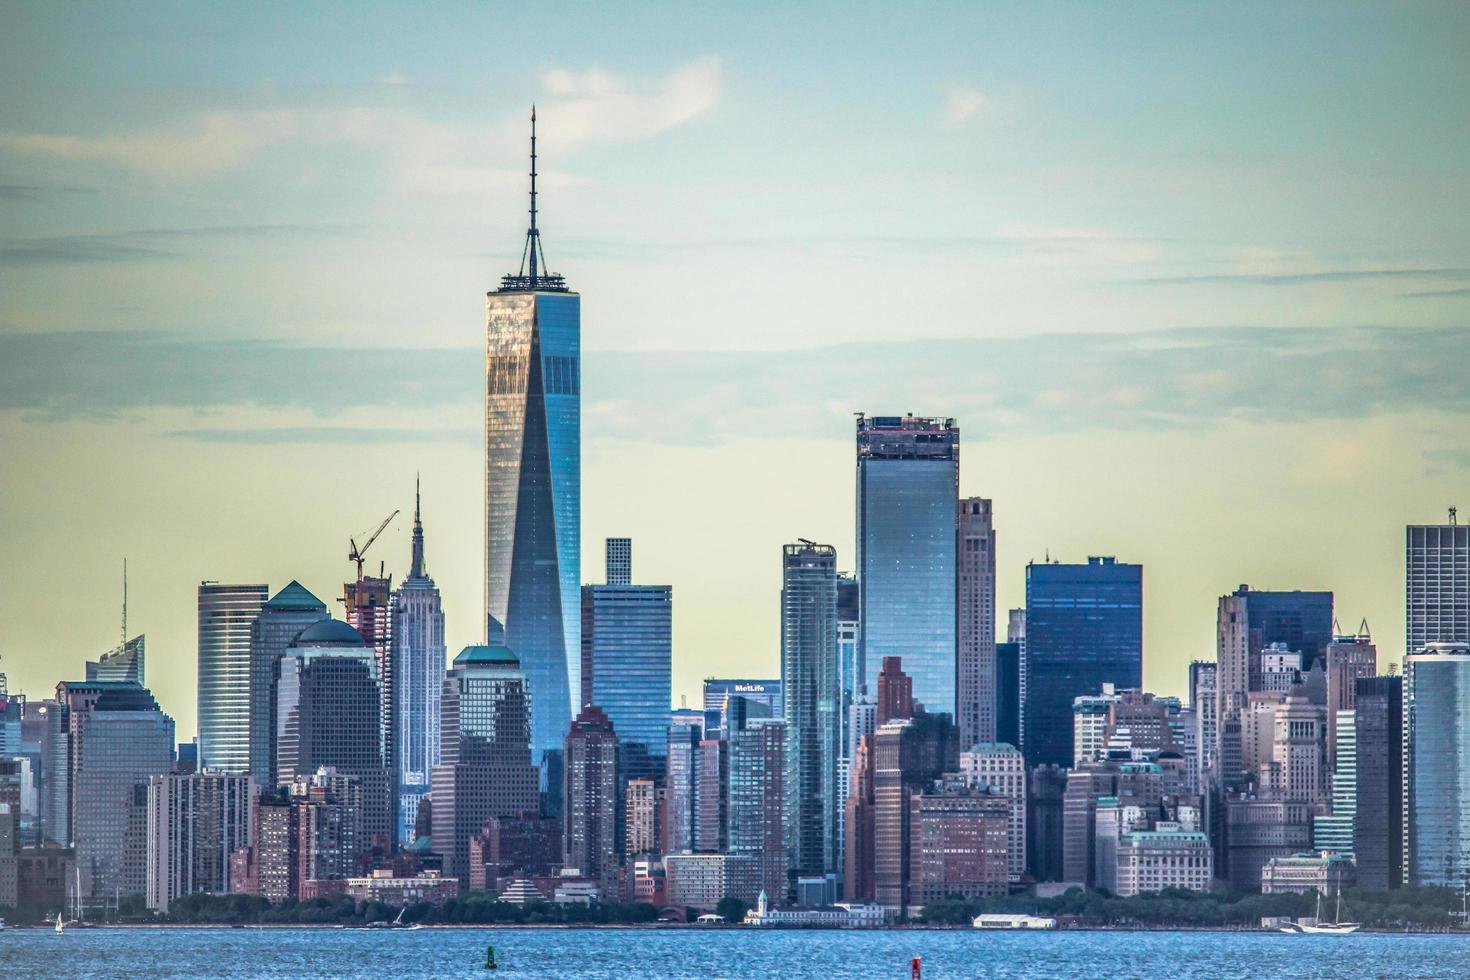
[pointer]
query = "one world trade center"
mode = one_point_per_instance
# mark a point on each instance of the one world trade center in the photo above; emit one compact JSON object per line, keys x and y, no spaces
{"x":533,"y":481}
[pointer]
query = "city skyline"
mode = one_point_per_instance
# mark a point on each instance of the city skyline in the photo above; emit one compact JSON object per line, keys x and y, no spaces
{"x":139,"y":412}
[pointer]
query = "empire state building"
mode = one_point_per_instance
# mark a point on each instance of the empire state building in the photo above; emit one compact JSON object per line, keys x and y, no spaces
{"x":533,"y":481}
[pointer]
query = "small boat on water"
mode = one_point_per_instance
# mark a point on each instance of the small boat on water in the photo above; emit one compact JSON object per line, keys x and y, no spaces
{"x":1319,"y":928}
{"x":59,"y":927}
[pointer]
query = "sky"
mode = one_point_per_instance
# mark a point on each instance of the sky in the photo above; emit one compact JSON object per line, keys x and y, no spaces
{"x":1193,"y":278}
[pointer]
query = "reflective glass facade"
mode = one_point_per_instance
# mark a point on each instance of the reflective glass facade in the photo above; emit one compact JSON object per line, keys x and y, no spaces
{"x":907,"y":487}
{"x":1437,"y":713}
{"x":226,"y":613}
{"x":811,"y":697}
{"x":533,"y":495}
{"x":418,"y":676}
{"x":627,"y":669}
{"x":1084,"y":628}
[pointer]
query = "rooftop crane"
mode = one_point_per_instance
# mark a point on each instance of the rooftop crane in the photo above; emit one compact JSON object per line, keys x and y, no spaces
{"x":355,"y":555}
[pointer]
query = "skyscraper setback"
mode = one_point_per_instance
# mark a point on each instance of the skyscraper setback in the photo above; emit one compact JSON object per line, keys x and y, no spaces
{"x":418,"y":677}
{"x":907,"y":483}
{"x":533,"y":481}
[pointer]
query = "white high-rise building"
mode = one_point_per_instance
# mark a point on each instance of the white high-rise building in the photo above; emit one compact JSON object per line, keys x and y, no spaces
{"x":1437,"y":584}
{"x":226,"y":614}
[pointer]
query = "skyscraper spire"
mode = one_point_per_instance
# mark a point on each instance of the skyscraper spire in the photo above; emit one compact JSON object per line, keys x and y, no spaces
{"x":416,"y":567}
{"x":532,"y":274}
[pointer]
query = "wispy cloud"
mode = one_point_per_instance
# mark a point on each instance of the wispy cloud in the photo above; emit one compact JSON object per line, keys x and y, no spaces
{"x":1433,"y":293}
{"x":1305,"y":278}
{"x":597,"y":106}
{"x":208,"y":142}
{"x":583,"y":107}
{"x":138,"y":244}
{"x":961,"y":105}
{"x":1184,"y":379}
{"x":323,"y":435}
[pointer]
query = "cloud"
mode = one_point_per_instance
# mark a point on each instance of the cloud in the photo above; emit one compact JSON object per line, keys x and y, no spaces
{"x":584,"y":107}
{"x":1431,"y":293}
{"x":961,"y":105}
{"x":209,"y":142}
{"x":39,"y":192}
{"x":595,"y":106}
{"x":1052,"y":383}
{"x":138,"y":243}
{"x":1306,"y":278}
{"x":324,"y":434}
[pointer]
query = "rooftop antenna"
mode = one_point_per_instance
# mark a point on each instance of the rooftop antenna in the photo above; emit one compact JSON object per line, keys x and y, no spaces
{"x":125,"y":605}
{"x":533,"y":255}
{"x":1453,"y":519}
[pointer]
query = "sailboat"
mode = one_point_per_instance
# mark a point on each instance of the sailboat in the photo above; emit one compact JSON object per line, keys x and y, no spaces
{"x":1334,"y":928}
{"x":59,"y":927}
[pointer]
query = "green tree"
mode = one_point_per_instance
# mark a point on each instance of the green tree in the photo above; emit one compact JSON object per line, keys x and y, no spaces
{"x":731,"y":909}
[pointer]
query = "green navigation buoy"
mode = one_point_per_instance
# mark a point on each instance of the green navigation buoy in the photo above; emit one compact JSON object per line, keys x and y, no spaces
{"x":490,"y":958}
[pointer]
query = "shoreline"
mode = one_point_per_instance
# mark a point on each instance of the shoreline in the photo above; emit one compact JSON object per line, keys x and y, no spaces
{"x":682,"y":926}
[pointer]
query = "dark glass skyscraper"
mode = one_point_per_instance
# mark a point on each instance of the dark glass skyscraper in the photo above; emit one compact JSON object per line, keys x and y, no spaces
{"x":281,"y":620}
{"x":533,"y":481}
{"x":1378,"y":828}
{"x":811,"y":696}
{"x":1084,"y":628}
{"x":907,"y":486}
{"x":627,"y":661}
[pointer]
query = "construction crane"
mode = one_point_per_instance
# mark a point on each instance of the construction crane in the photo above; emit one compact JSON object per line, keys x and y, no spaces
{"x":355,"y":555}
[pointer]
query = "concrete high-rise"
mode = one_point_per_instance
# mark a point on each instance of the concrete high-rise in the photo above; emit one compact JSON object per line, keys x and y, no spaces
{"x":1349,"y":658}
{"x":975,"y":688}
{"x":368,"y":604}
{"x":1084,"y":628}
{"x":758,"y":803}
{"x":811,"y":695}
{"x":590,"y":795}
{"x":283,"y":618}
{"x":533,"y":481}
{"x":226,"y":614}
{"x":1437,"y":722}
{"x":485,"y":769}
{"x":1378,"y":818}
{"x":418,"y":677}
{"x":196,"y":821}
{"x":627,"y":661}
{"x":1247,"y":622}
{"x":1436,"y":584}
{"x":1002,"y":769}
{"x":907,"y":484}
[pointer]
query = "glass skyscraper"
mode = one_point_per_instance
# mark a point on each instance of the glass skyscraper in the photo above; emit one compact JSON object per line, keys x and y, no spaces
{"x":811,"y":697}
{"x":226,"y":613}
{"x":1437,"y":583}
{"x":1084,"y":628}
{"x":1437,"y":718}
{"x":907,"y":487}
{"x":533,"y":482}
{"x":283,"y":618}
{"x":627,"y":661}
{"x":418,"y":677}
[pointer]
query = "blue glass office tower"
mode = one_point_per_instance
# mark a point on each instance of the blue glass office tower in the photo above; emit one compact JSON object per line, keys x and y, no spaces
{"x":627,"y":662}
{"x":908,"y":473}
{"x":533,"y":482}
{"x":1084,"y":628}
{"x":1437,"y":720}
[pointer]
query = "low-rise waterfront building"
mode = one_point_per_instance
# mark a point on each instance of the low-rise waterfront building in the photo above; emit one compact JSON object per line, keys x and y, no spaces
{"x":384,"y":886}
